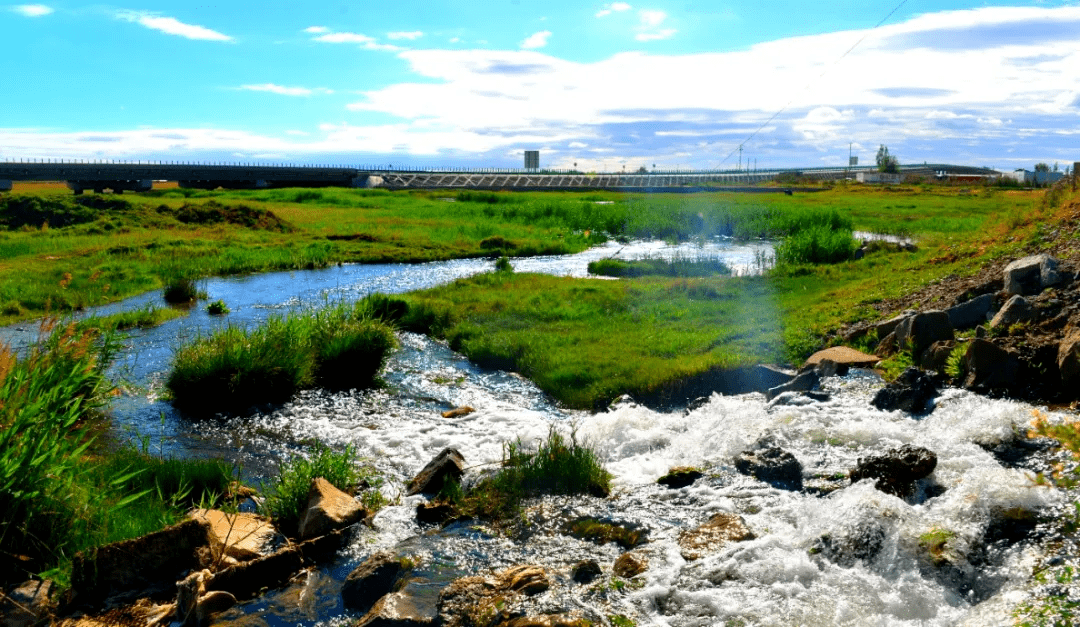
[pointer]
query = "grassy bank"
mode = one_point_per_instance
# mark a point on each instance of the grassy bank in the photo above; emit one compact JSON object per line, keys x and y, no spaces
{"x":232,"y":369}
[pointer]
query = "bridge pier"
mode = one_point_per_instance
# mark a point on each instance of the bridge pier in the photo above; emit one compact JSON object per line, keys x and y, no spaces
{"x":5,"y":185}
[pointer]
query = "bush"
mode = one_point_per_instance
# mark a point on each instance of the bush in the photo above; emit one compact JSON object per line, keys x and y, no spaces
{"x":502,"y":264}
{"x":217,"y":308}
{"x":233,"y":369}
{"x":818,"y":244}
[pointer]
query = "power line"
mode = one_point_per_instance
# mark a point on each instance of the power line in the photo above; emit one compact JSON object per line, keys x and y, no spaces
{"x":823,"y":73}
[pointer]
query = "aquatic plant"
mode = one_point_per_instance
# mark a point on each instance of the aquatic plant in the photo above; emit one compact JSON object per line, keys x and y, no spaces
{"x":678,"y":267}
{"x":217,"y":308}
{"x":231,"y":369}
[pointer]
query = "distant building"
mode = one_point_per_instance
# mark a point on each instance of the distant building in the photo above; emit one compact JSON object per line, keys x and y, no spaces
{"x":1027,"y":177}
{"x":532,"y":159}
{"x":885,"y":178}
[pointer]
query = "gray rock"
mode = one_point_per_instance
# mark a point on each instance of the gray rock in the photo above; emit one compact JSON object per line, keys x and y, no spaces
{"x":922,"y":330}
{"x":1016,"y":309}
{"x":971,"y":313}
{"x":772,"y":465}
{"x":399,"y":609}
{"x":989,"y":367}
{"x":1068,"y":358}
{"x":897,"y":470}
{"x":911,"y":392}
{"x":803,"y":382}
{"x":1031,"y":274}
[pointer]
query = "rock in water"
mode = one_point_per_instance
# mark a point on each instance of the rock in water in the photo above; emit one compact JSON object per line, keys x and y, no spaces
{"x":328,"y":509}
{"x":897,"y":470}
{"x":448,"y":464}
{"x":713,"y":535}
{"x":771,"y":464}
{"x":911,"y":392}
{"x":586,"y":570}
{"x":370,"y":581}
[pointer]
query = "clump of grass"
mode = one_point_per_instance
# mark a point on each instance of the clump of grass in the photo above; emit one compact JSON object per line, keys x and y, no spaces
{"x":502,"y":264}
{"x":217,"y":308}
{"x":688,"y":268}
{"x":559,"y":465}
{"x":338,"y":347}
{"x":144,"y":318}
{"x":955,"y":366}
{"x":181,"y":286}
{"x":287,"y":495}
{"x":818,"y":244}
{"x":935,"y":543}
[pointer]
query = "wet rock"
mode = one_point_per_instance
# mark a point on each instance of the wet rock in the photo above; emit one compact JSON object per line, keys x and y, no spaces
{"x":435,"y":513}
{"x":493,"y":598}
{"x":923,"y":329}
{"x":713,"y":535}
{"x":696,"y":404}
{"x":370,"y":581}
{"x":625,"y":534}
{"x":843,"y":355}
{"x":248,"y":579}
{"x":897,"y":470}
{"x":328,"y":509}
{"x":971,"y":313}
{"x":586,"y":570}
{"x":238,"y":535}
{"x":1015,"y":310}
{"x":990,"y":368}
{"x":26,"y":604}
{"x":830,"y":368}
{"x":630,"y":565}
{"x":398,"y":609}
{"x":448,"y":464}
{"x":771,"y":464}
{"x":680,"y":477}
{"x":623,"y":401}
{"x":457,"y":412}
{"x":804,"y":381}
{"x":1031,"y":274}
{"x":138,"y":567}
{"x":861,"y":542}
{"x":911,"y":392}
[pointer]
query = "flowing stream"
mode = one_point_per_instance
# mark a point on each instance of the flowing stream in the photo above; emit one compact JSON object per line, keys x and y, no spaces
{"x":875,"y":569}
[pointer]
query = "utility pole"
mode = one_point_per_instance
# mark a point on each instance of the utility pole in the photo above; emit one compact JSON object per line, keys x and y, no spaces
{"x":740,"y":156}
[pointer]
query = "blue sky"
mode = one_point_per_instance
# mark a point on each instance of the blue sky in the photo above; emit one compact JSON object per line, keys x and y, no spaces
{"x":675,"y":83}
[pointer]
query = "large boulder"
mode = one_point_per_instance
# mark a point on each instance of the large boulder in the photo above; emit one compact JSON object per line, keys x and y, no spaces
{"x":1015,"y":310}
{"x":328,"y":509}
{"x":1031,"y":274}
{"x":804,"y":382}
{"x":897,"y":470}
{"x":498,"y":597}
{"x":370,"y":581}
{"x":1068,"y":358}
{"x":923,"y":329}
{"x":239,"y":536}
{"x":771,"y":464}
{"x":448,"y":464}
{"x":911,"y":392}
{"x":711,"y":536}
{"x":990,"y":368}
{"x":971,"y":313}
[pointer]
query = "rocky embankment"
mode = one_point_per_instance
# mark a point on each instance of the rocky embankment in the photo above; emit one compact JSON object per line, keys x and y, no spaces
{"x":1011,"y":331}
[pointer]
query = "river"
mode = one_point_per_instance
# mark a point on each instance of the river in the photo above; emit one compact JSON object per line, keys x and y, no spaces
{"x":780,"y":577}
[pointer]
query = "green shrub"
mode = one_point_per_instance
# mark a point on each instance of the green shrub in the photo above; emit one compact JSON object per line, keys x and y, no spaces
{"x":502,"y":264}
{"x":217,"y":308}
{"x":818,"y":244}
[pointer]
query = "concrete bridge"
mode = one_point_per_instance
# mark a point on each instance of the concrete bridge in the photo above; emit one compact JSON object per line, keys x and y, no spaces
{"x":120,"y":177}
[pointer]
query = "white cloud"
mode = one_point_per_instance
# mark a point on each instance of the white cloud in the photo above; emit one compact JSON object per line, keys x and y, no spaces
{"x":172,"y":26}
{"x":663,"y":33}
{"x":368,"y":43}
{"x":614,"y":7}
{"x":649,"y":21}
{"x":286,"y":91}
{"x":316,"y":30}
{"x":536,"y":40}
{"x":32,"y":10}
{"x":651,"y":17}
{"x":410,"y":35}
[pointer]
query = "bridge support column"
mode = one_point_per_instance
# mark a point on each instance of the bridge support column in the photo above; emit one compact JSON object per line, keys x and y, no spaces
{"x":5,"y":185}
{"x":367,"y":180}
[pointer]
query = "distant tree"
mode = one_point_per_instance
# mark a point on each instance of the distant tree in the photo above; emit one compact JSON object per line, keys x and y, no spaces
{"x":642,"y":170}
{"x":885,"y":161}
{"x":1042,"y":167}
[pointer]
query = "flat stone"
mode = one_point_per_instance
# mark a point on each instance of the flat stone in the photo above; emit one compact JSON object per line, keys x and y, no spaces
{"x":1016,"y":309}
{"x":971,"y":313}
{"x":843,"y":355}
{"x":713,"y":535}
{"x":328,"y":509}
{"x":240,"y":536}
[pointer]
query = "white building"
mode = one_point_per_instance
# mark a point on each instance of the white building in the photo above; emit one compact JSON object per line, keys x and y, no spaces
{"x":885,"y":178}
{"x":1027,"y":177}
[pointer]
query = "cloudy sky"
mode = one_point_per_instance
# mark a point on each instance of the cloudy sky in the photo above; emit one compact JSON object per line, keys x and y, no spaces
{"x":675,"y":83}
